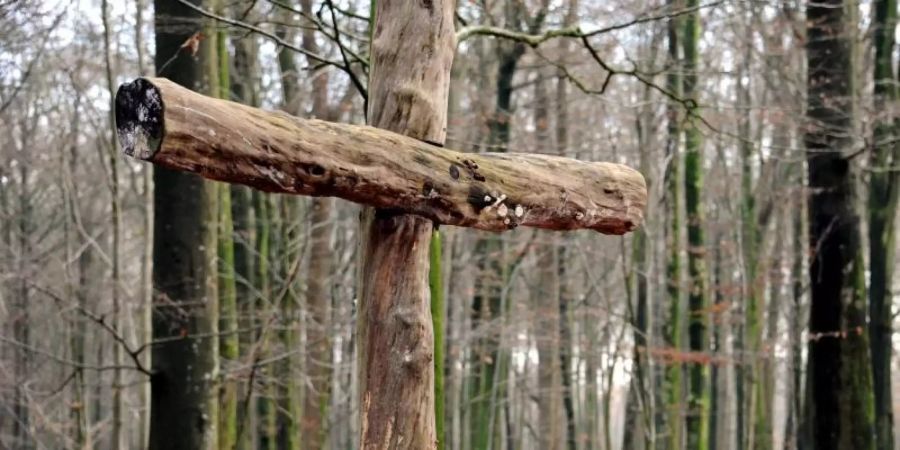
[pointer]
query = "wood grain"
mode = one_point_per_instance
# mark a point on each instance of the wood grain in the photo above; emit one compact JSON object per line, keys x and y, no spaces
{"x":170,"y":126}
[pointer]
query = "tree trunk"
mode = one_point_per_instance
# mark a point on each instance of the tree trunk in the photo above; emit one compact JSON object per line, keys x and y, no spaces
{"x":146,"y":288}
{"x":438,"y":312}
{"x":792,"y":435}
{"x":318,"y":293}
{"x":673,"y":333}
{"x":754,"y":422}
{"x":291,"y":370}
{"x":183,"y":403}
{"x":546,"y":295}
{"x":698,"y":301}
{"x":229,"y":342}
{"x":840,"y":411}
{"x":883,"y":194}
{"x":566,"y":344}
{"x":408,"y":90}
{"x":266,"y":414}
{"x":118,"y":432}
{"x":244,"y":220}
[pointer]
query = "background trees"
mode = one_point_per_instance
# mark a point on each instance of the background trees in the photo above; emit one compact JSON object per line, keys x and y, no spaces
{"x":662,"y":339}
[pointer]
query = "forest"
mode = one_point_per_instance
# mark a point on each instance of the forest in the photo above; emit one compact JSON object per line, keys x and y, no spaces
{"x":666,"y":224}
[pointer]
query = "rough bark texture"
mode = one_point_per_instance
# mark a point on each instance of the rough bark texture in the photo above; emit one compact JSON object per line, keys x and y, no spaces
{"x":675,"y":322}
{"x":840,"y":410}
{"x":412,"y":50}
{"x":182,"y":399}
{"x":883,"y":194}
{"x":697,"y":420}
{"x":174,"y":128}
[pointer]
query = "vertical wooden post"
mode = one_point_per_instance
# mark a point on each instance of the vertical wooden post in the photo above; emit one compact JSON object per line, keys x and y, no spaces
{"x":413,"y":44}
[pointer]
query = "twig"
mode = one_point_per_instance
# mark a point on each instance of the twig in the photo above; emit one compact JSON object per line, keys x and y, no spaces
{"x":100,"y":320}
{"x":535,"y":40}
{"x":337,"y":39}
{"x":12,"y":96}
{"x":278,"y":40}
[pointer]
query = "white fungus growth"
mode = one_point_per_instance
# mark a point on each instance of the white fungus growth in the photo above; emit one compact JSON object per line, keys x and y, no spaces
{"x":520,"y":211}
{"x":502,"y":210}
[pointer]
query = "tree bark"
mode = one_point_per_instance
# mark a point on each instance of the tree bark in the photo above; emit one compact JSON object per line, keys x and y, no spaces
{"x":697,"y":422}
{"x":182,"y":398}
{"x":408,"y":90}
{"x":674,"y":372}
{"x":547,"y":302}
{"x":318,"y":290}
{"x":883,"y":194}
{"x":840,"y":412}
{"x":118,"y":432}
{"x":172,"y":127}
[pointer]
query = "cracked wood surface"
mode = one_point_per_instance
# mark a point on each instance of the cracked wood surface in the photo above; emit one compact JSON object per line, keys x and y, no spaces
{"x":168,"y":125}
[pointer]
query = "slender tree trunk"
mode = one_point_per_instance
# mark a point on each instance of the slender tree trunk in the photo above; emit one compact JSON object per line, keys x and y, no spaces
{"x":752,"y":423}
{"x":118,"y":433}
{"x":267,"y":251}
{"x":640,"y":409}
{"x":78,"y":338}
{"x":793,"y":437}
{"x":292,"y":419}
{"x":566,"y":344}
{"x":883,"y":190}
{"x":21,"y":312}
{"x":674,"y":370}
{"x":698,"y":323}
{"x":840,"y":411}
{"x":244,"y":219}
{"x":318,"y":295}
{"x":438,"y":310}
{"x":146,"y":288}
{"x":229,"y":342}
{"x":546,"y":297}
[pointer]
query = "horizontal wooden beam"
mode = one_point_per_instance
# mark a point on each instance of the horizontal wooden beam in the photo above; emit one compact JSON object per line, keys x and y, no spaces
{"x":168,"y":125}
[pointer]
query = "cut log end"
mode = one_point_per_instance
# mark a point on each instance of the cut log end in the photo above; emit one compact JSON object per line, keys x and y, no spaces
{"x":139,"y":118}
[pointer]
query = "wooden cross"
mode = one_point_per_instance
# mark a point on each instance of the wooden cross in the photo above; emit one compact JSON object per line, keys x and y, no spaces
{"x":407,"y":181}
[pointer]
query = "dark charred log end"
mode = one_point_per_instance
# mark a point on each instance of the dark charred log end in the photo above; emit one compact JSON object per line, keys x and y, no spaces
{"x":139,"y":119}
{"x":454,"y":171}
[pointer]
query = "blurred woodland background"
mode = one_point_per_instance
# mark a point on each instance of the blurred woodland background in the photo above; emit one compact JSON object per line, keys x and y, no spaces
{"x":753,"y":310}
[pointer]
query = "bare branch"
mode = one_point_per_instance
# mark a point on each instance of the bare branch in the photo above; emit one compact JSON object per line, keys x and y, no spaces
{"x":535,"y":40}
{"x":237,"y":23}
